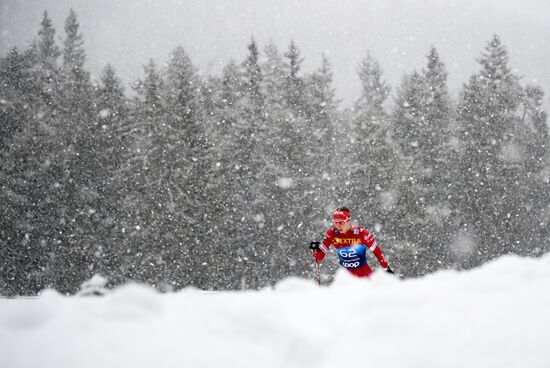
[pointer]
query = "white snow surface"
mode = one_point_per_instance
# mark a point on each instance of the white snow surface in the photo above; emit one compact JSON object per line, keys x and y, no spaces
{"x":495,"y":316}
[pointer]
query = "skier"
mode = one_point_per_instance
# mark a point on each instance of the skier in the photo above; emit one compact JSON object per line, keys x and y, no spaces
{"x":351,"y":243}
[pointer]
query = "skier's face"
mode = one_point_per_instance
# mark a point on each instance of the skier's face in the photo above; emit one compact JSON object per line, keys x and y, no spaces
{"x":343,"y":226}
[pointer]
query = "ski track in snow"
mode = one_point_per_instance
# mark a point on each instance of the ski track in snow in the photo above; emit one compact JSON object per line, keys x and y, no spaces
{"x":493,"y":316}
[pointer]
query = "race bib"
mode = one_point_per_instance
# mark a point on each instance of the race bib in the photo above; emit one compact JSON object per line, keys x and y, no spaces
{"x":354,"y":256}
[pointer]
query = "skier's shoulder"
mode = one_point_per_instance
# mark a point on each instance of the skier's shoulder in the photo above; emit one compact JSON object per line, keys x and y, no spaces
{"x":361,"y":231}
{"x":330,"y":232}
{"x":358,"y":229}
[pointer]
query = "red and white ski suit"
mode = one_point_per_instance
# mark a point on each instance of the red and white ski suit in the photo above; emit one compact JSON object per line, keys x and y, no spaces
{"x":351,"y":249}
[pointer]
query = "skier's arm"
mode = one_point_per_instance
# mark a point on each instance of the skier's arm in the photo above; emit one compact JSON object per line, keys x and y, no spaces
{"x":375,"y":248}
{"x":321,"y":252}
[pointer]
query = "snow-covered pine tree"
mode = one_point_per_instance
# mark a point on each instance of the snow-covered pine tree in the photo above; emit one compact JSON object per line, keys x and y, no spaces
{"x":371,"y":154}
{"x":533,"y":135}
{"x":113,"y":141}
{"x":321,"y":116}
{"x":23,"y":217}
{"x":422,"y":120}
{"x":228,"y":183}
{"x":487,"y":125}
{"x":138,"y":178}
{"x":185,"y":160}
{"x":34,"y":162}
{"x":525,"y":161}
{"x":276,"y":178}
{"x":81,"y":160}
{"x":295,"y":167}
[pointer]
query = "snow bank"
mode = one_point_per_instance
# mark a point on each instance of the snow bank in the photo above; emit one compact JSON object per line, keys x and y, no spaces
{"x":494,"y":316}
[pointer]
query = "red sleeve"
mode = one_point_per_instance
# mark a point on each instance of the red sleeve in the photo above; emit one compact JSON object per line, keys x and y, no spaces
{"x":325,"y":245}
{"x":370,"y":242}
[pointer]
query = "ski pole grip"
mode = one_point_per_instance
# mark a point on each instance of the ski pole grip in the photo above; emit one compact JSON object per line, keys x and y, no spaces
{"x":314,"y":245}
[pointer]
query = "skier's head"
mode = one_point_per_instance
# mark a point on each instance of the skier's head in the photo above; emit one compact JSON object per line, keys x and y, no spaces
{"x":342,"y":214}
{"x":341,"y":218}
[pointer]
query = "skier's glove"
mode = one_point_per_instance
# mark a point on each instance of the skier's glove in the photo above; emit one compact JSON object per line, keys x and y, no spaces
{"x":389,"y":270}
{"x":314,"y":245}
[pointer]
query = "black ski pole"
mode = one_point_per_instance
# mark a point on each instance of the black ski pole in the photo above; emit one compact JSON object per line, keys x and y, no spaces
{"x":314,"y":246}
{"x":318,"y":275}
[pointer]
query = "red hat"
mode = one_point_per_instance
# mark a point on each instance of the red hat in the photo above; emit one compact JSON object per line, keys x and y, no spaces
{"x":341,"y":215}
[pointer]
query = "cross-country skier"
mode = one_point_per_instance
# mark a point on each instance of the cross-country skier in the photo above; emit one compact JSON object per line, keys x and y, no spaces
{"x":351,"y":243}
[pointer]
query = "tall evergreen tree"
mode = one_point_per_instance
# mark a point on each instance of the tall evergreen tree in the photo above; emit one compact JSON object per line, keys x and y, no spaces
{"x":366,"y":163}
{"x":318,"y":139}
{"x":229,"y":187}
{"x":184,"y":159}
{"x":371,"y":153}
{"x":277,"y":181}
{"x":113,"y":140}
{"x":137,"y":219}
{"x":292,"y":173}
{"x":170,"y":191}
{"x":422,"y":121}
{"x":525,"y":164}
{"x":22,"y":256}
{"x":79,"y":162}
{"x":30,"y":160}
{"x":486,"y":116}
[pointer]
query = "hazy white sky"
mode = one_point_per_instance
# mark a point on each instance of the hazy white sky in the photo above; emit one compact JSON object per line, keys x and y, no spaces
{"x":398,"y":33}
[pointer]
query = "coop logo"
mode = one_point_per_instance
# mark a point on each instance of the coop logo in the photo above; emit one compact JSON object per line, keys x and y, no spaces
{"x":346,"y":241}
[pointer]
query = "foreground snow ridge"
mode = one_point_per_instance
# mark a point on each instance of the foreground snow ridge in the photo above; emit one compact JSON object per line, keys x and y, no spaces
{"x":495,"y":316}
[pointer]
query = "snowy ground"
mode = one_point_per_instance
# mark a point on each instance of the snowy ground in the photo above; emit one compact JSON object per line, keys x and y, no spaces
{"x":494,"y":316}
